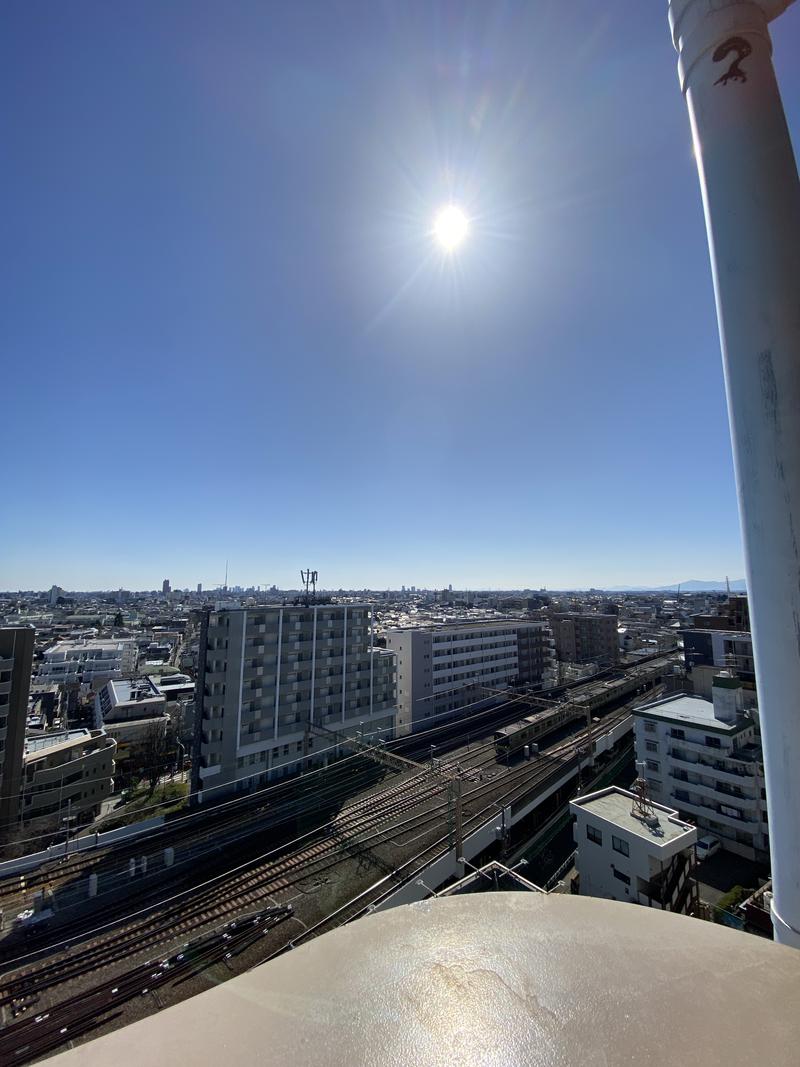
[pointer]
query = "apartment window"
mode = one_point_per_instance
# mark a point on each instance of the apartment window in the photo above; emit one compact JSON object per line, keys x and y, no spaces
{"x":713,"y":742}
{"x":620,"y":846}
{"x":653,"y":765}
{"x":651,"y":746}
{"x":649,"y":727}
{"x":679,"y":735}
{"x":622,"y":877}
{"x":654,"y":785}
{"x":593,"y":834}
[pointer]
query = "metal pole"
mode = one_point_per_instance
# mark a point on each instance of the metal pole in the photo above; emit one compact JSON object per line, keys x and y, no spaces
{"x":69,"y":816}
{"x":459,"y":822}
{"x":751,"y":198}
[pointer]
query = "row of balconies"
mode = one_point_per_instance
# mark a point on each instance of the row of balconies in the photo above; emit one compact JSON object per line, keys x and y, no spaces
{"x":715,"y":787}
{"x":684,"y":804}
{"x":732,"y":771}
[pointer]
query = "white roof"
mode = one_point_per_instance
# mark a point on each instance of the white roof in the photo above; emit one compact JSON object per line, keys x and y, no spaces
{"x":687,"y":708}
{"x":615,"y":805}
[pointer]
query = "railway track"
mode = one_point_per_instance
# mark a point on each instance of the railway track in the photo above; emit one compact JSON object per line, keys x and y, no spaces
{"x":368,"y":823}
{"x":39,"y":1034}
{"x":198,"y":833}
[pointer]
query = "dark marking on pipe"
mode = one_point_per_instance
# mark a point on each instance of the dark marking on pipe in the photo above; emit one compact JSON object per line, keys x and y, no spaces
{"x":734,"y":72}
{"x":769,"y":389}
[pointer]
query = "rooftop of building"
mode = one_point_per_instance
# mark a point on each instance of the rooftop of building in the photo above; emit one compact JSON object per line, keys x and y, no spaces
{"x":688,"y":708}
{"x":82,"y":644}
{"x":492,"y":622}
{"x":55,"y":740}
{"x":615,"y":805}
{"x":132,"y":691}
{"x":170,"y":681}
{"x":729,"y":635}
{"x":291,"y":605}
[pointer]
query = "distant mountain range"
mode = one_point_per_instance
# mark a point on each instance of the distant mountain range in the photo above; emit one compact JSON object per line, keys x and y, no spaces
{"x":695,"y":585}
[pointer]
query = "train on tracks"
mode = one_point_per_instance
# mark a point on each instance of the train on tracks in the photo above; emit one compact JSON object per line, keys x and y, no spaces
{"x":511,"y":738}
{"x":592,"y":698}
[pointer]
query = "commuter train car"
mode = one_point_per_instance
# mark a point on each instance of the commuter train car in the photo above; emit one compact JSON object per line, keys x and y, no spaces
{"x":592,"y":697}
{"x":511,"y":738}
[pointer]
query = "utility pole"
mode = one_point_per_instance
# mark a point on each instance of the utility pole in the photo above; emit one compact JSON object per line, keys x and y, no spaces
{"x":751,"y":198}
{"x":459,"y":819}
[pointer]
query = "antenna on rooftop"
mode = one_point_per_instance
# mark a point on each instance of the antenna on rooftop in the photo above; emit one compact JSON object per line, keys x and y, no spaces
{"x":309,"y":578}
{"x":642,"y":807}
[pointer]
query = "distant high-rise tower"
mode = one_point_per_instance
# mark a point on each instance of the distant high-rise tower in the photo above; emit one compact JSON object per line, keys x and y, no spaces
{"x":16,"y":656}
{"x":199,"y":587}
{"x":165,"y":587}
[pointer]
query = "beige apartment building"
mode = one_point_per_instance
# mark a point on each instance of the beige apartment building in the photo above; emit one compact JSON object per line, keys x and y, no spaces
{"x":67,"y":775}
{"x":586,"y":638}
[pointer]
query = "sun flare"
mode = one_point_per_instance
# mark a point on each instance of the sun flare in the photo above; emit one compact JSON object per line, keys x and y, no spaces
{"x":451,"y":227}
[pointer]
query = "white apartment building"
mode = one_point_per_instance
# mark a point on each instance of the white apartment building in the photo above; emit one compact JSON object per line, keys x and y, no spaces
{"x":445,"y":667}
{"x":703,"y":756}
{"x":86,"y":660}
{"x":276,"y":685}
{"x":123,"y":699}
{"x":625,"y":852}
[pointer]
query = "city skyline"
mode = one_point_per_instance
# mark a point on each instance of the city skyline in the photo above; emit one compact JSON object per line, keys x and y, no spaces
{"x":688,"y":585}
{"x":227,"y":327}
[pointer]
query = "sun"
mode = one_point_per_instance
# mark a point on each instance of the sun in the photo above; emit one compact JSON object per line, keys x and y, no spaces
{"x":450,"y":227}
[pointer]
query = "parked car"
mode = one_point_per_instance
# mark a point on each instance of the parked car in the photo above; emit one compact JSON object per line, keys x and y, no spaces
{"x":707,"y":846}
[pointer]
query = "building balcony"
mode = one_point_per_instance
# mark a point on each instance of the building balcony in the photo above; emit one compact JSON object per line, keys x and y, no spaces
{"x":711,"y":811}
{"x":726,"y":772}
{"x":716,"y":790}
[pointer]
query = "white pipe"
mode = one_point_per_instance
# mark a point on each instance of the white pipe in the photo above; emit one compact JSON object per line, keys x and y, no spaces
{"x":751,"y":198}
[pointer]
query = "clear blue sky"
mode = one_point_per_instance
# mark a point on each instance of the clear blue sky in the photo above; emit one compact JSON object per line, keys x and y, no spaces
{"x":226,"y":332}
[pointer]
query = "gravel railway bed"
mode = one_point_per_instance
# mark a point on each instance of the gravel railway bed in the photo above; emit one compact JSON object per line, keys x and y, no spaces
{"x":332,"y":875}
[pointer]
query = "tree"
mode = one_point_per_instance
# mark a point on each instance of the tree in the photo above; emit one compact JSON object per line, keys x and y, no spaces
{"x":119,"y":622}
{"x":155,"y":753}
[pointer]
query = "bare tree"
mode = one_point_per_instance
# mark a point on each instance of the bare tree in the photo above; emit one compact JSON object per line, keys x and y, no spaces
{"x":155,"y":752}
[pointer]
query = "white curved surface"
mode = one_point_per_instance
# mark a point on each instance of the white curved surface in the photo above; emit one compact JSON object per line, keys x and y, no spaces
{"x":496,"y":978}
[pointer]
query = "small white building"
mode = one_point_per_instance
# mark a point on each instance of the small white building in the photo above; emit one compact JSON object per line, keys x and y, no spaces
{"x":626,"y":854}
{"x":121,"y":700}
{"x":86,"y":660}
{"x":704,"y":757}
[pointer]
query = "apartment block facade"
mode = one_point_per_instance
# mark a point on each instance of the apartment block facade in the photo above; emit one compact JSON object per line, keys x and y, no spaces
{"x":67,"y":774}
{"x":16,"y":656}
{"x":443,"y":668}
{"x":731,"y":649}
{"x":69,"y":662}
{"x":276,"y":683}
{"x":704,"y":758}
{"x":586,"y":638}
